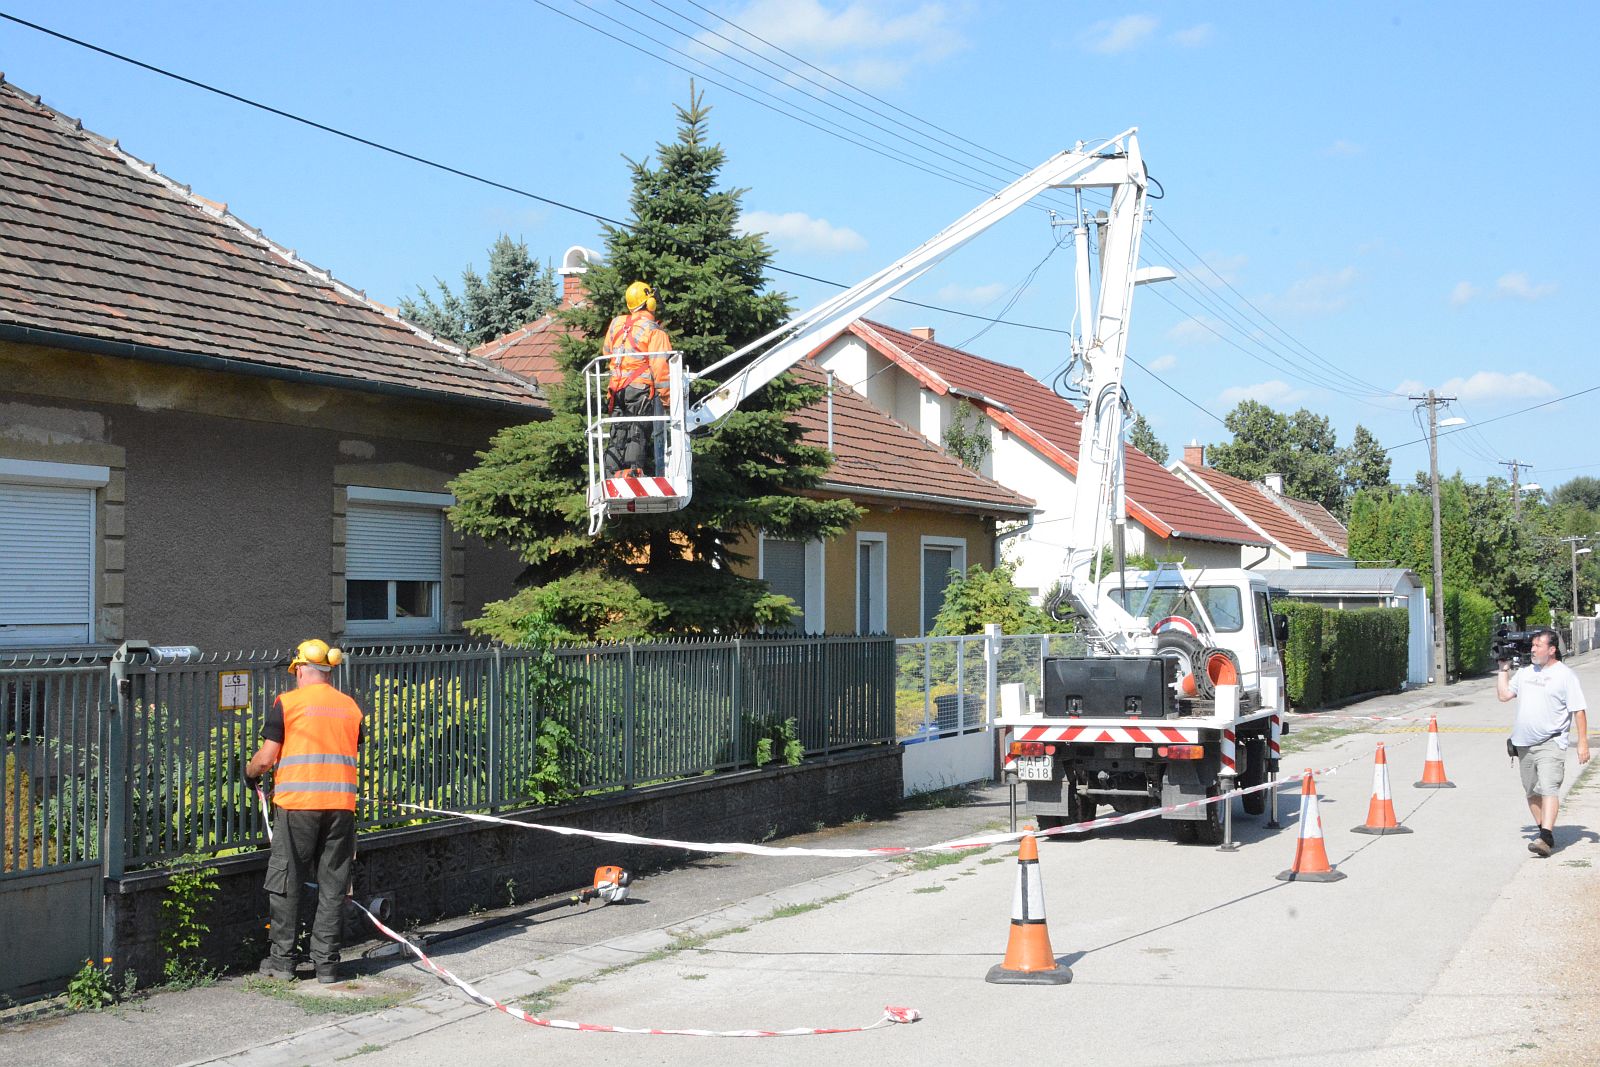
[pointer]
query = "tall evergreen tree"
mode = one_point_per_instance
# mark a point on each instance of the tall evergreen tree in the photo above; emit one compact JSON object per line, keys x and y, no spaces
{"x":672,"y":571}
{"x":518,"y":290}
{"x":1144,"y":438}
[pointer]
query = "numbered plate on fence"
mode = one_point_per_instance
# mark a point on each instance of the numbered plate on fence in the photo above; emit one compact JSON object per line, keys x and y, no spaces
{"x":1034,"y":768}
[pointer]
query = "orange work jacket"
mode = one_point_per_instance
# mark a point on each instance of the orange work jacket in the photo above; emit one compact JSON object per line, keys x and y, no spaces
{"x":317,"y":767}
{"x":634,"y":341}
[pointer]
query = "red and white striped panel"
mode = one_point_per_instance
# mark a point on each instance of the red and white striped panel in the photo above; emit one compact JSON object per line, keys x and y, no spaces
{"x":631,"y":488}
{"x":1140,"y":735}
{"x":1229,"y":755}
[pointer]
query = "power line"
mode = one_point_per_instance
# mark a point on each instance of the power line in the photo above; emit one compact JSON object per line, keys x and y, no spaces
{"x":1500,"y":418}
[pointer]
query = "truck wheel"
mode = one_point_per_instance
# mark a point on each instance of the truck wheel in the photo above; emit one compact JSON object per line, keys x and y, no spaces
{"x":1208,"y":831}
{"x":1080,"y":808}
{"x":1183,"y":831}
{"x":1050,"y":822}
{"x":1255,"y":772}
{"x":1185,"y":650}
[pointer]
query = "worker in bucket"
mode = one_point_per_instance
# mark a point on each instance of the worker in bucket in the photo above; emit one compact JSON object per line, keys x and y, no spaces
{"x":310,"y":738}
{"x":640,"y":384}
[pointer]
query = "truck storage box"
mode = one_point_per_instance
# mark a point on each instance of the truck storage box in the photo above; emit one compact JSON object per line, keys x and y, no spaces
{"x":1135,"y":687}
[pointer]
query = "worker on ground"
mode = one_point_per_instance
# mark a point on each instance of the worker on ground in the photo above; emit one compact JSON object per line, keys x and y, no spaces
{"x":311,"y":737}
{"x":1549,"y":703}
{"x":640,"y":384}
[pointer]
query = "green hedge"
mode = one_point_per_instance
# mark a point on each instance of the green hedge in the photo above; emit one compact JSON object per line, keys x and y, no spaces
{"x":1334,"y":654}
{"x":1469,"y":620}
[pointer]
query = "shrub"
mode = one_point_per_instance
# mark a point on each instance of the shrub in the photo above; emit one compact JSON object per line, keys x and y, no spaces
{"x":1469,"y":620}
{"x":1334,"y":654}
{"x":1302,"y":654}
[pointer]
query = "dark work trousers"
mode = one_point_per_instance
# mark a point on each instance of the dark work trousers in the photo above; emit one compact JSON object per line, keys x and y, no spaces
{"x":309,"y":846}
{"x":635,"y":445}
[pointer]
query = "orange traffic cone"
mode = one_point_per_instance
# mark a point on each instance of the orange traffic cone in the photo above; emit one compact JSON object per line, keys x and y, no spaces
{"x":1433,"y":771}
{"x":1029,"y":960}
{"x":1380,"y":813}
{"x":1310,"y":856}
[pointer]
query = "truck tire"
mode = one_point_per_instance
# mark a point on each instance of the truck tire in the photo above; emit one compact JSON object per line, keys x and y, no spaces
{"x":1208,"y":831}
{"x":1255,"y":772}
{"x":1179,"y":646}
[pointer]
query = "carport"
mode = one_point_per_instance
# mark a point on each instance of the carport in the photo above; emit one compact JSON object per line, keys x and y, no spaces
{"x":1379,"y":587}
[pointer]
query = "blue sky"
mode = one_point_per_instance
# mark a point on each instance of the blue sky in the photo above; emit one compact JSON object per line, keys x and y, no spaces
{"x":1362,"y":199}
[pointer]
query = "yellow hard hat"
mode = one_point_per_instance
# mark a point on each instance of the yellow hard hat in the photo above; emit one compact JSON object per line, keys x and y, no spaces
{"x":315,"y":653}
{"x":640,"y":294}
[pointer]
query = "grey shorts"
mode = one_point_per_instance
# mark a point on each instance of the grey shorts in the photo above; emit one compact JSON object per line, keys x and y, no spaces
{"x":1543,"y":766}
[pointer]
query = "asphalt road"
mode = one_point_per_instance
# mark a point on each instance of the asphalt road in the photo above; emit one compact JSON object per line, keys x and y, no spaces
{"x":1450,"y":944}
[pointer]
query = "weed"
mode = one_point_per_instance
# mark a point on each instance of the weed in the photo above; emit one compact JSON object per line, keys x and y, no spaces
{"x":542,"y":1000}
{"x":362,"y":1051}
{"x":993,"y":859}
{"x":91,"y":989}
{"x":858,"y":818}
{"x":930,"y":889}
{"x":928,"y":861}
{"x":283,"y":989}
{"x":958,"y":796}
{"x":190,"y":890}
{"x":789,"y":911}
{"x":818,"y":826}
{"x":1303,"y":737}
{"x":1575,"y":863}
{"x":511,"y":892}
{"x":693,"y":977}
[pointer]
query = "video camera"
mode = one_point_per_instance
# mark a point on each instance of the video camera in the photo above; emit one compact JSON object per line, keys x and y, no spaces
{"x":1511,"y":646}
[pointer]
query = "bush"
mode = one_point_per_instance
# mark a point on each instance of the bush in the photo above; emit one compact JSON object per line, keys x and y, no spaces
{"x":1333,"y":654}
{"x":1469,"y":620}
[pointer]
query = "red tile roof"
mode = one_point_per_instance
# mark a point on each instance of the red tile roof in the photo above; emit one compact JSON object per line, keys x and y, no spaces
{"x":874,"y":454}
{"x":1157,"y":499}
{"x":95,"y":245}
{"x":1257,"y":504}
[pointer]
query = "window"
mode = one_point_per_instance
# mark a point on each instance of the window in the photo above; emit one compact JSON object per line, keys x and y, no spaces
{"x":47,"y":557}
{"x":794,"y":569}
{"x":1264,"y":621}
{"x":939,"y":557}
{"x":394,"y":561}
{"x":872,"y":584}
{"x":1222,"y":603}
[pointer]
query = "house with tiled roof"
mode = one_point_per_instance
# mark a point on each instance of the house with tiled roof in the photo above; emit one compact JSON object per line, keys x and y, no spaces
{"x":208,"y":440}
{"x":1301,"y":533}
{"x":1033,"y":436}
{"x":924,"y":513}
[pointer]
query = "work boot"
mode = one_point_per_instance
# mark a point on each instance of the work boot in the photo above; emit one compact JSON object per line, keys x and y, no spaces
{"x":327,"y":973}
{"x":273,"y":967}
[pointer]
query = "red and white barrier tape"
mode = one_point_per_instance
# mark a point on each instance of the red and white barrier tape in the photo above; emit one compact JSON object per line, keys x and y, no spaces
{"x":891,"y":1015}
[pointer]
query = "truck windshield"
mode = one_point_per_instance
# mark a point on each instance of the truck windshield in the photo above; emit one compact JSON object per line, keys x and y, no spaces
{"x":1221,"y":602}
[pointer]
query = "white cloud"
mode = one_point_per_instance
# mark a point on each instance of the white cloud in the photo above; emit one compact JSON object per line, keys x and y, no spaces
{"x":857,"y":41}
{"x":1193,"y":329}
{"x":1274,"y":393}
{"x":1161,"y":363}
{"x":799,"y":232}
{"x":1512,"y":286}
{"x":1319,"y":294}
{"x":972,"y":294}
{"x":1195,"y":36}
{"x":1120,"y":35}
{"x":1342,"y":148}
{"x":1486,"y":386}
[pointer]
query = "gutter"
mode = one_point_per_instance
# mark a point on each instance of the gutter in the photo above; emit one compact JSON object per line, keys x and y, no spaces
{"x":172,"y":357}
{"x":925,"y":498}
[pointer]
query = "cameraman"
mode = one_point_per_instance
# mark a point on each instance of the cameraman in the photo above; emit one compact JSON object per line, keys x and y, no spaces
{"x":1549,"y":703}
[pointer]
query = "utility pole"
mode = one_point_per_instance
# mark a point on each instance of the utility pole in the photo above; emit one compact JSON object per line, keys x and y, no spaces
{"x":1574,"y":541}
{"x":1516,"y":492}
{"x":1433,"y":400}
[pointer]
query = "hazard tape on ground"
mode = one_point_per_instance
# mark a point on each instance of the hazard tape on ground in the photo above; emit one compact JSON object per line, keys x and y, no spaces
{"x":891,"y":1015}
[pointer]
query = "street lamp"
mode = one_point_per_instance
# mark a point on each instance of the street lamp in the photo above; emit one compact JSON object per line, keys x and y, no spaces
{"x":1433,"y":400}
{"x":1576,"y":552}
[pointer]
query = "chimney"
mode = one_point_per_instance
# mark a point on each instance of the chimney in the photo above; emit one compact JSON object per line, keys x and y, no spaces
{"x":922,"y":333}
{"x":1194,"y":454}
{"x":1274,"y":482}
{"x":574,"y":265}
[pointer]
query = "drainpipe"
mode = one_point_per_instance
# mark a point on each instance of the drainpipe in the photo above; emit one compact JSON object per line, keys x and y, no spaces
{"x":1001,"y":538}
{"x":1266,"y":554}
{"x":829,"y":373}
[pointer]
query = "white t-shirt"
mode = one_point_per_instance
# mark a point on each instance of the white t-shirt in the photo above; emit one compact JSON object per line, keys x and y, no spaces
{"x":1546,"y":698}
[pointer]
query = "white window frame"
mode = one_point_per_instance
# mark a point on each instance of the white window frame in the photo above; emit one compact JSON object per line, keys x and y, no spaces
{"x":91,"y":479}
{"x":959,"y":547}
{"x":879,"y":624}
{"x":813,"y":618}
{"x":371,"y":496}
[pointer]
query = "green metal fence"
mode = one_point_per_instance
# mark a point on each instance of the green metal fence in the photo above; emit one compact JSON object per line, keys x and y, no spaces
{"x":142,"y":756}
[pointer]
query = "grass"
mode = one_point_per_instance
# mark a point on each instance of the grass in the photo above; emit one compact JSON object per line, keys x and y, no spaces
{"x":930,"y":861}
{"x":283,"y":989}
{"x":693,"y":977}
{"x":1576,"y":863}
{"x":1303,"y":737}
{"x":993,"y":859}
{"x":362,"y":1051}
{"x":930,"y":889}
{"x":956,"y":796}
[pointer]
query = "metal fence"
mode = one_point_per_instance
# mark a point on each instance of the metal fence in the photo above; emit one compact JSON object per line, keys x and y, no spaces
{"x":943,"y":685}
{"x":137,"y":761}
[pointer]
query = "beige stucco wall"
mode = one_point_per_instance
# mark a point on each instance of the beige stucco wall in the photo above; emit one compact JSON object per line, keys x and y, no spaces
{"x":903,"y":529}
{"x":222,"y":525}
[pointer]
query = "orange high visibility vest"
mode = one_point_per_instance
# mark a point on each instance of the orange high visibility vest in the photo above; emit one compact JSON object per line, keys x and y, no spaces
{"x":317,"y":767}
{"x":633,"y":341}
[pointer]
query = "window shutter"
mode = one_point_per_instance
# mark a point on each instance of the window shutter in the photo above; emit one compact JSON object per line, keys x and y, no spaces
{"x":46,"y":563}
{"x":394,"y":544}
{"x":783,"y":565}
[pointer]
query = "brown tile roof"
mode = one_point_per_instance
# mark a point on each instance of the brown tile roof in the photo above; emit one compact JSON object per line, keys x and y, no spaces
{"x":1019,"y":402}
{"x":96,"y":245}
{"x":874,"y":454}
{"x":1321,"y":520}
{"x":529,"y":352}
{"x":1262,"y":507}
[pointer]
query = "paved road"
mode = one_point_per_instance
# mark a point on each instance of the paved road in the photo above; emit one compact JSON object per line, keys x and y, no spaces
{"x":1448,"y":945}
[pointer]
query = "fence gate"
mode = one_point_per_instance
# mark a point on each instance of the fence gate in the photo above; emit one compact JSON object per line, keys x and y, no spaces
{"x":53,"y":726}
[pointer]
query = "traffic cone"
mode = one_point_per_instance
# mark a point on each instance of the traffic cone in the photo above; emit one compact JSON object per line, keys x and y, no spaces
{"x":1380,"y":812}
{"x":1310,"y":856}
{"x":1029,"y":960}
{"x":1433,"y":771}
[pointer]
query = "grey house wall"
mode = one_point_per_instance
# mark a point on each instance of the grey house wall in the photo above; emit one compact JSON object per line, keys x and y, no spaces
{"x":223,"y":522}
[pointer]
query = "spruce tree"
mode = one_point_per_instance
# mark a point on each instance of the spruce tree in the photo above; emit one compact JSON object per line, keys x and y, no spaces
{"x":669,"y":572}
{"x":517,"y":291}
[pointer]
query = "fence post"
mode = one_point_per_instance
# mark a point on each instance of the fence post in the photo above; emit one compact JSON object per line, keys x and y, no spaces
{"x":629,"y":719}
{"x":496,"y":707}
{"x":991,"y":670}
{"x":738,"y":703}
{"x":830,"y":698}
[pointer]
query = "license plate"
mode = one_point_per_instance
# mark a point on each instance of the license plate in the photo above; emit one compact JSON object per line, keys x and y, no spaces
{"x":1035,"y":768}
